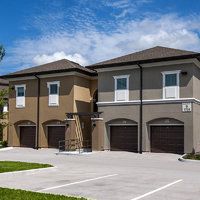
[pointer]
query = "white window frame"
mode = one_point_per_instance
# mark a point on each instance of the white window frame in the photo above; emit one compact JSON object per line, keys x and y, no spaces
{"x":177,"y":72}
{"x":58,"y":85}
{"x":16,"y":90}
{"x":127,"y":90}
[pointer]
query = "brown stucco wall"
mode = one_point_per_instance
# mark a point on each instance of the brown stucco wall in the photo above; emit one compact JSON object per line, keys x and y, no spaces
{"x":74,"y":96}
{"x":48,"y":113}
{"x":21,"y":114}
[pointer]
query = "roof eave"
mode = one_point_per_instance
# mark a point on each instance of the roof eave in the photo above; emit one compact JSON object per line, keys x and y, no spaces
{"x":49,"y":72}
{"x":143,"y":61}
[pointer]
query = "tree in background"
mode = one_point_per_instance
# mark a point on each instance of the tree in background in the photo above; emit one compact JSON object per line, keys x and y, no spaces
{"x":3,"y":95}
{"x":2,"y":52}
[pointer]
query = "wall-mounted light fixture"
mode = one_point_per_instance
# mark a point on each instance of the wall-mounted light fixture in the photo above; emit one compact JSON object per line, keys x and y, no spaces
{"x":184,"y":73}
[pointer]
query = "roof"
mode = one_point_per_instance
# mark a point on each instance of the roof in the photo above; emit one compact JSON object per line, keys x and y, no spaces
{"x":157,"y":53}
{"x":3,"y":82}
{"x":59,"y":66}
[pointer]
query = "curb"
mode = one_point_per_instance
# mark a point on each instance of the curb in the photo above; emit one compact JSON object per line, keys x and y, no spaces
{"x":6,"y":148}
{"x":30,"y":170}
{"x":187,"y":160}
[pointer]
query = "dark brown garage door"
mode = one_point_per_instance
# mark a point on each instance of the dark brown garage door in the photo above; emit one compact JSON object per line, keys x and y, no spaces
{"x":124,"y":138}
{"x":169,"y":139}
{"x":55,"y":134}
{"x":27,"y":136}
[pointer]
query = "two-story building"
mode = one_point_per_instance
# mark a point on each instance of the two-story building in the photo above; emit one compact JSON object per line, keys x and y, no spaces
{"x":150,"y":101}
{"x":40,"y":98}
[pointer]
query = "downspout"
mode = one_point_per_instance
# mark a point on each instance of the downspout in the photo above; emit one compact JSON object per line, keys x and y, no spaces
{"x":38,"y":110}
{"x":141,"y":108}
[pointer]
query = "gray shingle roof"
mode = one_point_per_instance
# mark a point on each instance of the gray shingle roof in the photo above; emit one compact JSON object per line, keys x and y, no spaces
{"x":53,"y":67}
{"x":157,"y":52}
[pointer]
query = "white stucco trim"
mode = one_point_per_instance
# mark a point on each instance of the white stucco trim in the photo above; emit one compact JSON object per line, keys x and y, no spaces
{"x":166,"y":124}
{"x":177,"y":72}
{"x":55,"y":125}
{"x":150,"y":101}
{"x":122,"y":124}
{"x":126,"y":90}
{"x":26,"y":125}
{"x":20,"y":100}
{"x":55,"y":96}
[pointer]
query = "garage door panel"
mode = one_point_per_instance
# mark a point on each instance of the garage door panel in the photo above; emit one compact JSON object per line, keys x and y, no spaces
{"x":27,"y":136}
{"x":55,"y":134}
{"x":124,"y":138}
{"x":169,"y":139}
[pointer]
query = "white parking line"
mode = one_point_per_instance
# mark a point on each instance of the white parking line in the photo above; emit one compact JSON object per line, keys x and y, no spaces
{"x":161,"y":188}
{"x":78,"y":182}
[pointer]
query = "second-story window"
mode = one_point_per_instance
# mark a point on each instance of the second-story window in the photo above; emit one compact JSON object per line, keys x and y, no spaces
{"x":20,"y":95}
{"x":171,"y":84}
{"x":53,"y":93}
{"x":122,"y":88}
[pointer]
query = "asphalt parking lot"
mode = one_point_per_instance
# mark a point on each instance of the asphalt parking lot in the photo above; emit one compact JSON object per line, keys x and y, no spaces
{"x":106,"y":175}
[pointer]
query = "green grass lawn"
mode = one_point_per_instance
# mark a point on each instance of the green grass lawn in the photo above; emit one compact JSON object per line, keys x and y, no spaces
{"x":8,"y":194}
{"x":192,"y":156}
{"x":11,"y":166}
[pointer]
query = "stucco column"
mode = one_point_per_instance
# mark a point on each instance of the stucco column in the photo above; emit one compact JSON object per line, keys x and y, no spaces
{"x":70,"y":132}
{"x":97,"y":134}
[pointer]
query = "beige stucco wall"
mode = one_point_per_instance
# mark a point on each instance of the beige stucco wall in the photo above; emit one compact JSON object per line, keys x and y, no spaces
{"x":150,"y":112}
{"x":196,"y":127}
{"x":152,"y":89}
{"x":152,"y":82}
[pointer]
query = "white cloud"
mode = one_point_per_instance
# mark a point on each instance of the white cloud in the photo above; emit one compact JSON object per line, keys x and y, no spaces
{"x":46,"y":58}
{"x":91,"y":45}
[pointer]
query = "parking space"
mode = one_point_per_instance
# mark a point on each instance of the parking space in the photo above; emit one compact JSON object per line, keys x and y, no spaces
{"x":106,"y":175}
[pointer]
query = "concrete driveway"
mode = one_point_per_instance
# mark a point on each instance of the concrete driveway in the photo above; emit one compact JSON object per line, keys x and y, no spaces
{"x":106,"y":175}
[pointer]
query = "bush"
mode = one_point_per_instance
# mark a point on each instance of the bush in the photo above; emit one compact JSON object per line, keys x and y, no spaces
{"x":192,"y":156}
{"x":3,"y":143}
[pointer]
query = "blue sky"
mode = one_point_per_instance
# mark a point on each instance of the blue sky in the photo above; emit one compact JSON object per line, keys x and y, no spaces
{"x":88,"y":31}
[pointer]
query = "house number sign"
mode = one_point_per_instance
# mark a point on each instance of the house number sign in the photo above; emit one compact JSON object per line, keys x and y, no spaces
{"x":186,"y":107}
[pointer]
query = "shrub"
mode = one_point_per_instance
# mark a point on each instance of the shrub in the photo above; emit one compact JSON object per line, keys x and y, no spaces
{"x":3,"y":143}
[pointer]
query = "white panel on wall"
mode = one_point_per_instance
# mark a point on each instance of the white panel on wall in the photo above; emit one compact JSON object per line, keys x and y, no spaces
{"x":121,"y":95}
{"x":20,"y":102}
{"x":53,"y":99}
{"x":171,"y":92}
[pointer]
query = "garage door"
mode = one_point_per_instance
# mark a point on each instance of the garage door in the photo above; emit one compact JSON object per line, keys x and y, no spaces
{"x":55,"y":134}
{"x":169,"y":139}
{"x":27,"y":136}
{"x":124,"y":138}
